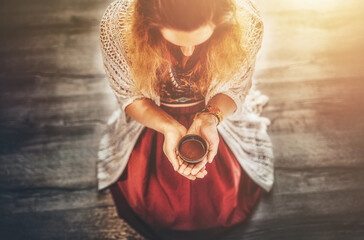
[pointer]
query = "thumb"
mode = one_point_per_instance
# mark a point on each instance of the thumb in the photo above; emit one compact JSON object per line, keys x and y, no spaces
{"x":172,"y":157}
{"x":212,"y":152}
{"x":210,"y":156}
{"x":192,"y":130}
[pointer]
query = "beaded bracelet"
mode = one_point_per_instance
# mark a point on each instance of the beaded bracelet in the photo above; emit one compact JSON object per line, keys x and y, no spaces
{"x":213,"y":110}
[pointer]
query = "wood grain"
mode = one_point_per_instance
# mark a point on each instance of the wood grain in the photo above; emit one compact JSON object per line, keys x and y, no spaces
{"x":55,"y":101}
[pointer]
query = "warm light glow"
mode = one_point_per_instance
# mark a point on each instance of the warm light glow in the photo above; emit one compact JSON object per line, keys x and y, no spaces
{"x":316,"y":5}
{"x":307,"y":39}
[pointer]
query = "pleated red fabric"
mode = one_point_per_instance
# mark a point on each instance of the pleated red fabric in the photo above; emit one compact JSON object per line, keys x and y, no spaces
{"x":161,"y":198}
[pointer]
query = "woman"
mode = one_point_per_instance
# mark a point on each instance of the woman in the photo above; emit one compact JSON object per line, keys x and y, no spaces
{"x":182,"y":67}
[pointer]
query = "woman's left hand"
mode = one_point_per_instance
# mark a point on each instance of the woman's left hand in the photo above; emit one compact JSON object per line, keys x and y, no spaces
{"x":205,"y":126}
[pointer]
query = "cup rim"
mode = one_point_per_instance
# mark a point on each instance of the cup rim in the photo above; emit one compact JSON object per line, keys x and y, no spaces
{"x":195,"y":137}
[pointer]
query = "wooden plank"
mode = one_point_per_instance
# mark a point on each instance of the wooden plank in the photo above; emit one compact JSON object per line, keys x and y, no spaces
{"x":321,"y":215}
{"x":302,"y":228}
{"x":43,"y":84}
{"x":317,"y":180}
{"x":51,"y":37}
{"x":52,"y":199}
{"x":80,"y":223}
{"x":305,"y":204}
{"x":41,"y":13}
{"x":70,"y":165}
{"x":317,"y":150}
{"x":74,"y":52}
{"x":331,"y":105}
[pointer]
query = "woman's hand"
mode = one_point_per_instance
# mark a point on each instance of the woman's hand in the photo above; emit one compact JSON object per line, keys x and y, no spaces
{"x":205,"y":126}
{"x":172,"y":136}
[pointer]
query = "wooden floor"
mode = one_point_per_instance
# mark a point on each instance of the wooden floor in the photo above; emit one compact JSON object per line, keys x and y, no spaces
{"x":54,"y":103}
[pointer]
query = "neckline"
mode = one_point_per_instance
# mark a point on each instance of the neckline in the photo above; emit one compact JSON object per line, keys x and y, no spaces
{"x":177,"y":56}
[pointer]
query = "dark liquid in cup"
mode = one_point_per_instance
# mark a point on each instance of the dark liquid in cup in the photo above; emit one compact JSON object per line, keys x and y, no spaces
{"x":192,"y":149}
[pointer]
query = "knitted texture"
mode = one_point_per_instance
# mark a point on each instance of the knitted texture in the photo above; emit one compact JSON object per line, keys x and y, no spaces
{"x":245,"y":131}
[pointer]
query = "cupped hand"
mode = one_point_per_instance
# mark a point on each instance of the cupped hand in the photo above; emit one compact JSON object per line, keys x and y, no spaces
{"x":201,"y":174}
{"x":172,"y":136}
{"x":205,"y":126}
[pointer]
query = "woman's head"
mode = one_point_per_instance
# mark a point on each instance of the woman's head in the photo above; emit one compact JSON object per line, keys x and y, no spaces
{"x":184,"y":15}
{"x":184,"y":23}
{"x":187,"y":40}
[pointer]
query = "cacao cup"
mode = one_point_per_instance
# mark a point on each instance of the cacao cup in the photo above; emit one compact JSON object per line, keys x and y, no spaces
{"x":192,"y":148}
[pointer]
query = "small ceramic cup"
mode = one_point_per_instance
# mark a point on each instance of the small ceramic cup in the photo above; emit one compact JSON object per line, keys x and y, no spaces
{"x":192,"y":148}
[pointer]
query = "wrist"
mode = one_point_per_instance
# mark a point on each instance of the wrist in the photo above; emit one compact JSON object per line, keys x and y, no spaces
{"x":207,"y":118}
{"x":171,"y":126}
{"x":212,"y":110}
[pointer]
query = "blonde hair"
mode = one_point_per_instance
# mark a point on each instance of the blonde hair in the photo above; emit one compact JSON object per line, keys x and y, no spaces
{"x":150,"y":57}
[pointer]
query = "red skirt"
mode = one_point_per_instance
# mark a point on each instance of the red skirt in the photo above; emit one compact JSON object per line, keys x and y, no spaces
{"x":152,"y":197}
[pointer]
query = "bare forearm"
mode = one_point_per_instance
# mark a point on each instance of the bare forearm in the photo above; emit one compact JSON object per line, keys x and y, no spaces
{"x":146,"y":112}
{"x":224,"y":103}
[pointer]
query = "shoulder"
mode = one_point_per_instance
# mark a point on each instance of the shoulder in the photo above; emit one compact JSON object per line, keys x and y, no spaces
{"x":249,"y":7}
{"x":251,"y":23}
{"x":114,"y":18}
{"x":116,"y":8}
{"x":113,"y":27}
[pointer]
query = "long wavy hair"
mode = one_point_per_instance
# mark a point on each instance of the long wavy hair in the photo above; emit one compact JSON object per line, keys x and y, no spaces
{"x":148,"y":50}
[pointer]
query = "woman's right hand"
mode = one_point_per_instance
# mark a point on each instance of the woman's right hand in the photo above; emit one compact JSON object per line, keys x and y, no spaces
{"x":172,"y":136}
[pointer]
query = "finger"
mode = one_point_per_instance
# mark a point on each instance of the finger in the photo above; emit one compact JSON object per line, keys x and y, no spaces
{"x":180,"y":161}
{"x":200,"y":175}
{"x":188,"y":169}
{"x":202,"y":172}
{"x":191,"y":177}
{"x":182,"y":167}
{"x":198,"y":166}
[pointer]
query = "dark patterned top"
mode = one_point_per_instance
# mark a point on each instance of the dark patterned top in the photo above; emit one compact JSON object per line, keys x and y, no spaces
{"x":182,"y":84}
